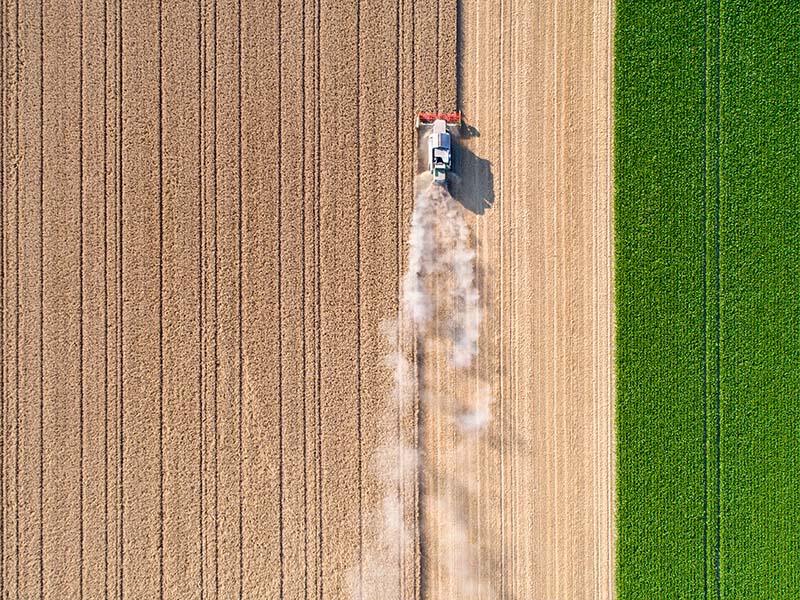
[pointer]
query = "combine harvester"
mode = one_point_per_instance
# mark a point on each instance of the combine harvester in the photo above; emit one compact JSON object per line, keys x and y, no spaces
{"x":437,"y":128}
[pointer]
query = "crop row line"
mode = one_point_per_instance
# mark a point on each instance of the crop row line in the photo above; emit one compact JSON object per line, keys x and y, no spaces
{"x":711,"y":301}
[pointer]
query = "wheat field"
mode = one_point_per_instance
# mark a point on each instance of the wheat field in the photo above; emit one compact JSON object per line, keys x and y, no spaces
{"x":206,"y":211}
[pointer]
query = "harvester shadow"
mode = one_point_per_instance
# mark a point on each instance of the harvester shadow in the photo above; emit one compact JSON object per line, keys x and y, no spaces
{"x":473,"y":183}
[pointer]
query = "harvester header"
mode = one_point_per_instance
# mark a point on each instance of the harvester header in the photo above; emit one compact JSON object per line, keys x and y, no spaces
{"x":451,"y":118}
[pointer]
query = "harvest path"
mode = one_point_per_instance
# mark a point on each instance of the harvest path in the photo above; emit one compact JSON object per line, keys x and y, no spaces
{"x":205,"y":209}
{"x":535,"y":81}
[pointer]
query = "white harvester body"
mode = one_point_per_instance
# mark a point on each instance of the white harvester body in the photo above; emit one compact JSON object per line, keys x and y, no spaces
{"x":439,"y":152}
{"x":437,"y":127}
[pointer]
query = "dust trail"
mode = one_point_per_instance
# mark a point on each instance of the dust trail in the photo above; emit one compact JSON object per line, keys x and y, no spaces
{"x":439,"y":244}
{"x":441,"y":265}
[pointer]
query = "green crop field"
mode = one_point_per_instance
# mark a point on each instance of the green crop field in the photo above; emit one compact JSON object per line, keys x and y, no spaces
{"x":707,"y":204}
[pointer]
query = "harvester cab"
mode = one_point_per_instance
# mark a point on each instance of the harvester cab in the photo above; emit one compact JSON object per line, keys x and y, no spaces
{"x":438,"y":127}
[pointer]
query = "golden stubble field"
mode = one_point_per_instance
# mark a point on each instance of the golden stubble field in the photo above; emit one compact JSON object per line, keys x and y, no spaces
{"x":206,"y":209}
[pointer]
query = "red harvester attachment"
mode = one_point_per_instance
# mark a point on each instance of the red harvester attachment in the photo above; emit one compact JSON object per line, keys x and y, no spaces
{"x":451,"y":118}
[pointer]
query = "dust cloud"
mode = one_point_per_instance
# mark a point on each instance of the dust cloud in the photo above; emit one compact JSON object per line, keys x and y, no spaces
{"x":440,"y":247}
{"x":439,"y":299}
